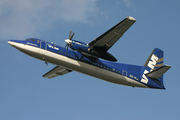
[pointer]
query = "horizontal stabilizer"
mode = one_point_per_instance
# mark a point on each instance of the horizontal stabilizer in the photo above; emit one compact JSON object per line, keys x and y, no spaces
{"x":56,"y":71}
{"x":157,"y":73}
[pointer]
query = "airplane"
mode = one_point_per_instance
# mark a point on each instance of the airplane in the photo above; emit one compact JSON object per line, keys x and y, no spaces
{"x":93,"y":59}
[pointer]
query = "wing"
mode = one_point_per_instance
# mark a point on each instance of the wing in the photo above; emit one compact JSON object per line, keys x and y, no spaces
{"x":109,"y":38}
{"x":56,"y":71}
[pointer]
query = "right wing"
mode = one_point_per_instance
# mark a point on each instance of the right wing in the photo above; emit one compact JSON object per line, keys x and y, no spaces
{"x":104,"y":42}
{"x":56,"y":71}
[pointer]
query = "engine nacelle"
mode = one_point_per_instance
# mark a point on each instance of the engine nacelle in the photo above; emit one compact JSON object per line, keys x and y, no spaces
{"x":80,"y":46}
{"x":88,"y":51}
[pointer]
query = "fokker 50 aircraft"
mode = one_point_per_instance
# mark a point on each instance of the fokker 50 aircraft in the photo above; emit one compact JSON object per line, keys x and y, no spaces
{"x":87,"y":58}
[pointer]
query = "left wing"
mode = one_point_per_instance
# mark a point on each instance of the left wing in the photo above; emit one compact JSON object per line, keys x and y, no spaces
{"x":56,"y":71}
{"x":104,"y":42}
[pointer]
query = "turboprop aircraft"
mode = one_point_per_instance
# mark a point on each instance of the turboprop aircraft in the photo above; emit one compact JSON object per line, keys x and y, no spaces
{"x":93,"y":58}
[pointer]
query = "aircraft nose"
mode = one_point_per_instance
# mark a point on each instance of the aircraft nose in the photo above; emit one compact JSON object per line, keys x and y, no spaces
{"x":10,"y":42}
{"x":16,"y":44}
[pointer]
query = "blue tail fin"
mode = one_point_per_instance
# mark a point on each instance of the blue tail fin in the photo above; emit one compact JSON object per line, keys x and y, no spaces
{"x":155,"y":60}
{"x":154,"y":66}
{"x":154,"y":69}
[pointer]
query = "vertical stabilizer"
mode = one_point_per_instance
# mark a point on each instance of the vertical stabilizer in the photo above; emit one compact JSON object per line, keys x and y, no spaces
{"x":154,"y":68}
{"x":155,"y":60}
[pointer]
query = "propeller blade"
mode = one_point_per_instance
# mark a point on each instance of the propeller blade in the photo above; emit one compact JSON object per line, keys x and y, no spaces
{"x":70,"y":34}
{"x":66,"y":45}
{"x":67,"y":48}
{"x":46,"y":63}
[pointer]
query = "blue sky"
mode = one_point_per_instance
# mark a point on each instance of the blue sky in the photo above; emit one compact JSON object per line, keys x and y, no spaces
{"x":26,"y":95}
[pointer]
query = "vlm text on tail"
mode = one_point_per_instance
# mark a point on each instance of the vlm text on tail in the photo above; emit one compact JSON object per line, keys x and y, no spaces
{"x":153,"y":70}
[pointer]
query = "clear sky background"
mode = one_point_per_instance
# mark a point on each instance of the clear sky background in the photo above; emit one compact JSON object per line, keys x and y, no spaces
{"x":26,"y":95}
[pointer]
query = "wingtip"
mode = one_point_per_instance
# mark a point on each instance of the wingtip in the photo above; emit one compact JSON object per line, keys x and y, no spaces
{"x":131,"y":18}
{"x":168,"y":66}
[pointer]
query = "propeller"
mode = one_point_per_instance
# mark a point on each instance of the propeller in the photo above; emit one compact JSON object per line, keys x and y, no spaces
{"x":71,"y":36}
{"x":69,"y":41}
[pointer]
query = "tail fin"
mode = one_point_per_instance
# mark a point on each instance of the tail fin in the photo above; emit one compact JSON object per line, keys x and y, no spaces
{"x":155,"y":60}
{"x":154,"y":66}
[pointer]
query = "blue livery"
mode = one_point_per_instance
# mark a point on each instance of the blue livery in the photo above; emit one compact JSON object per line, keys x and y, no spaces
{"x":88,"y":59}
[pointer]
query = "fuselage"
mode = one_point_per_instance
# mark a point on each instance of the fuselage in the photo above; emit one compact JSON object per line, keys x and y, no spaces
{"x":124,"y":74}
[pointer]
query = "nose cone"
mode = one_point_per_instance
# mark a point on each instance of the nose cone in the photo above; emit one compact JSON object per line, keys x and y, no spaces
{"x":16,"y":44}
{"x":10,"y":41}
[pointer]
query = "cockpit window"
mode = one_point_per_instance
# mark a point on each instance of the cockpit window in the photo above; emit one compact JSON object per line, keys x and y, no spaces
{"x":27,"y":39}
{"x":30,"y":39}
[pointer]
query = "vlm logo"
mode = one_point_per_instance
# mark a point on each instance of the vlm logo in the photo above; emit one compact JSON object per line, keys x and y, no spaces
{"x":151,"y":64}
{"x":53,"y":47}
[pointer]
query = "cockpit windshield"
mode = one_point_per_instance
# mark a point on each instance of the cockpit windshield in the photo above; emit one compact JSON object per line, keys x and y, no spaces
{"x":30,"y":39}
{"x":33,"y":40}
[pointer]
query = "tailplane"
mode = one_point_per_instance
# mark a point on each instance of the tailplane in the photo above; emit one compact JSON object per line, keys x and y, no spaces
{"x":156,"y":74}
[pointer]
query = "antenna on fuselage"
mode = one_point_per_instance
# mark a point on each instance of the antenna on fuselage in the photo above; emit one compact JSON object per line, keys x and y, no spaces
{"x":69,"y":41}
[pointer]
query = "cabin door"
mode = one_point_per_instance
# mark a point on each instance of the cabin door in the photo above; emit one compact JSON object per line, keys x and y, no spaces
{"x":43,"y":47}
{"x":124,"y":73}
